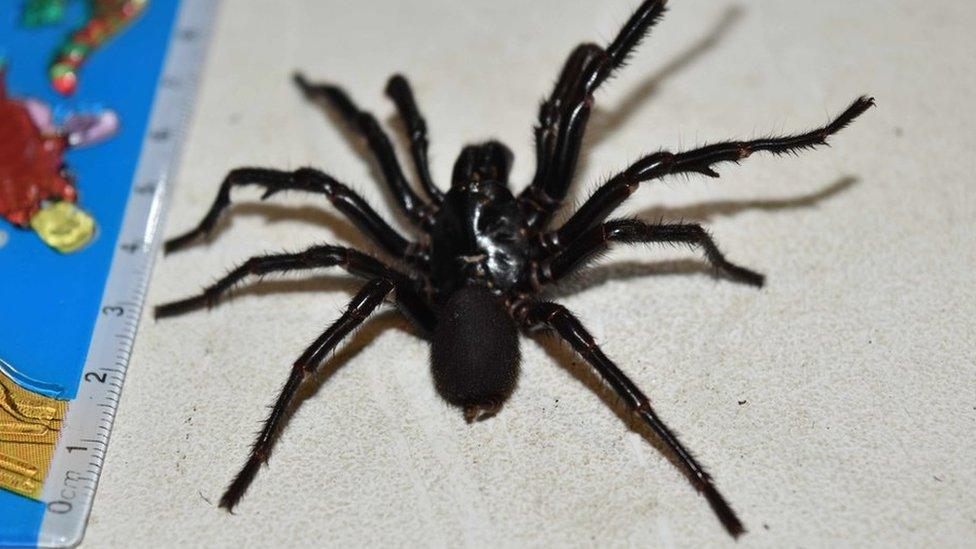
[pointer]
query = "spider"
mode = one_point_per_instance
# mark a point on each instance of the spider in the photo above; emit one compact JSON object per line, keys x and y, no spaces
{"x":477,"y":275}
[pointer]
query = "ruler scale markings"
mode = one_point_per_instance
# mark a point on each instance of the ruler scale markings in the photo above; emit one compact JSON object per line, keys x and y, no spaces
{"x":68,"y":493}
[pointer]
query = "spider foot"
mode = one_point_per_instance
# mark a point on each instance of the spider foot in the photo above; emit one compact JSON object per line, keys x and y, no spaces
{"x":183,"y":306}
{"x":240,"y":484}
{"x":174,"y":308}
{"x":182,"y":241}
{"x":307,"y":88}
{"x":725,"y":513}
{"x":270,"y":192}
{"x":744,"y":275}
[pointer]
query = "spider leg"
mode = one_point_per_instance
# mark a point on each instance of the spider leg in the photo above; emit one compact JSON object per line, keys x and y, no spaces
{"x":361,"y":306}
{"x":532,"y":200}
{"x":552,"y":315}
{"x":631,"y":231}
{"x":613,"y":193}
{"x":353,"y":261}
{"x":418,"y":210}
{"x":563,"y":118}
{"x":313,"y":181}
{"x":398,"y":89}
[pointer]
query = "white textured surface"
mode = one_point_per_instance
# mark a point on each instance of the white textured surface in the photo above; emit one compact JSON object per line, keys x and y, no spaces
{"x":856,"y":362}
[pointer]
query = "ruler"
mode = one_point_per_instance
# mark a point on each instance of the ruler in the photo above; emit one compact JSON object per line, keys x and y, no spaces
{"x":78,"y":457}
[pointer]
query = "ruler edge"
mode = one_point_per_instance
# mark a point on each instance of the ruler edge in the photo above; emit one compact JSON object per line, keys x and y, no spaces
{"x":208,"y":11}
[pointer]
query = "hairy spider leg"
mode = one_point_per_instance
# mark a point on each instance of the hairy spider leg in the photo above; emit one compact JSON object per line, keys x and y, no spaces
{"x":532,"y":200}
{"x":362,"y":305}
{"x":615,"y":191}
{"x":632,"y":231}
{"x":419,"y":211}
{"x":398,"y":89}
{"x":314,"y":181}
{"x":562,"y":119}
{"x":552,"y":315}
{"x":355,"y":262}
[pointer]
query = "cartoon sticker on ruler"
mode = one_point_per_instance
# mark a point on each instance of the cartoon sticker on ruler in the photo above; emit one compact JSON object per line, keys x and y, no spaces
{"x":29,"y":427}
{"x":106,"y":18}
{"x":36,"y":189}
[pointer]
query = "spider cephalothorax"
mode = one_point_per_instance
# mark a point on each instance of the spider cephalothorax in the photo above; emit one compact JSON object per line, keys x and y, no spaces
{"x":476,"y":275}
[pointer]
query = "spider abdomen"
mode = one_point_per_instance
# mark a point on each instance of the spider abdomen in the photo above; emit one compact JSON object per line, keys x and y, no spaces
{"x":474,"y":352}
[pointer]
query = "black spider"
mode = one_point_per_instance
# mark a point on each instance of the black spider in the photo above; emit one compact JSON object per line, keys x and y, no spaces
{"x":476,"y":277}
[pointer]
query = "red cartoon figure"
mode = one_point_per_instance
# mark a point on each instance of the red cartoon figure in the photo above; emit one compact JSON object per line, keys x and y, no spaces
{"x":36,"y":189}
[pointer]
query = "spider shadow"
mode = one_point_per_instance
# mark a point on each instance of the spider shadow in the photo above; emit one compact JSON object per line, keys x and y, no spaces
{"x":707,"y":211}
{"x":350,"y":349}
{"x":604,"y":122}
{"x":703,"y":212}
{"x":366,"y":334}
{"x":561,"y":353}
{"x":626,"y":270}
{"x":345,"y":233}
{"x":328,"y":283}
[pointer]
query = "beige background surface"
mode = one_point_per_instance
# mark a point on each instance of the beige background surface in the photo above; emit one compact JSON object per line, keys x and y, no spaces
{"x":855,"y":365}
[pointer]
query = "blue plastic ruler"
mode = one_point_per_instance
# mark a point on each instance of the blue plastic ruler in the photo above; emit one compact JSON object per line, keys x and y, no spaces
{"x":92,"y":386}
